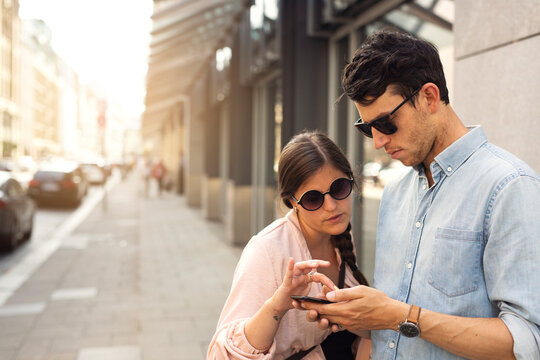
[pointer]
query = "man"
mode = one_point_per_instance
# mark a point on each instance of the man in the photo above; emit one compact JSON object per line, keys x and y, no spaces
{"x":457,"y":267}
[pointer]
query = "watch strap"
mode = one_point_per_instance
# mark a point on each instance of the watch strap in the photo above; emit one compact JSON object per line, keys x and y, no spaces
{"x":414,"y":314}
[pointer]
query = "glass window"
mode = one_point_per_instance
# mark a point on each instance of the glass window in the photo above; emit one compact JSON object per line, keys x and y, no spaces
{"x":341,"y":107}
{"x":256,"y":14}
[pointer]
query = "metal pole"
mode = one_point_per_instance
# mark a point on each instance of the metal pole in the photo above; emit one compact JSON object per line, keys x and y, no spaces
{"x":104,"y":184}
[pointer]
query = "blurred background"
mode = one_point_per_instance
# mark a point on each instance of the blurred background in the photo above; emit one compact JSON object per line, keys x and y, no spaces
{"x":178,"y":109}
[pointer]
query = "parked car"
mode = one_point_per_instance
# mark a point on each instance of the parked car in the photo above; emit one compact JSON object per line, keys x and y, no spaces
{"x":370,"y":171}
{"x":16,"y":212}
{"x":7,"y":164}
{"x":94,"y":173}
{"x":24,"y":170}
{"x":59,"y":183}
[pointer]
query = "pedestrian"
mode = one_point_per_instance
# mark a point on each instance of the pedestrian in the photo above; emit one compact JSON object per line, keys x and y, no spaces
{"x":180,"y":185}
{"x":158,"y":173}
{"x":457,"y":269}
{"x":147,"y":174}
{"x":278,"y":262}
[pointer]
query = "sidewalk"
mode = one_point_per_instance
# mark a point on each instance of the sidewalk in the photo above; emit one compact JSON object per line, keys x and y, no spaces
{"x":142,"y":278}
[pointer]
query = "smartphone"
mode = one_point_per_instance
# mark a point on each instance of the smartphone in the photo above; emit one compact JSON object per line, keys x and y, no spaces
{"x":311,"y":299}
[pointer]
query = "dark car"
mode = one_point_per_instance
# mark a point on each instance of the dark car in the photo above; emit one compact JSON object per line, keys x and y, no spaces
{"x":58,"y":184}
{"x":16,"y":212}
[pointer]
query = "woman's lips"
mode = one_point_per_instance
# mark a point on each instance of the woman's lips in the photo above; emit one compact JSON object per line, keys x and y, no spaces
{"x":335,"y":219}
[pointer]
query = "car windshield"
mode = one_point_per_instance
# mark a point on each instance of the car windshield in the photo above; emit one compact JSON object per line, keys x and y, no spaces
{"x":49,"y":175}
{"x":3,"y":177}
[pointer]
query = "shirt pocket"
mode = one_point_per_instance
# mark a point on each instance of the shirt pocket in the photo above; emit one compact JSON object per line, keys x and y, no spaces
{"x":456,"y":261}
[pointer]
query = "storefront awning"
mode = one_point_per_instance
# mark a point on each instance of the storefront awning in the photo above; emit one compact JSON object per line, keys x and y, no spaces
{"x":185,"y":37}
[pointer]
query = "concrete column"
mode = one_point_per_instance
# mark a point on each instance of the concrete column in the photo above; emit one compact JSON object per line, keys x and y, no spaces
{"x":305,"y":72}
{"x":211,"y":181}
{"x":264,"y":194}
{"x":497,"y":73}
{"x":194,"y":149}
{"x":194,"y":161}
{"x":224,"y":157}
{"x":238,"y":187}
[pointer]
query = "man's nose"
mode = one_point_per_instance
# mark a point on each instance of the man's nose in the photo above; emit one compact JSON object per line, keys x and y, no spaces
{"x":379,"y":139}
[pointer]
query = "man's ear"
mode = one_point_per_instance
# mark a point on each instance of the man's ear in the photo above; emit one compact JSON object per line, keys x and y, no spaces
{"x":432,"y":96}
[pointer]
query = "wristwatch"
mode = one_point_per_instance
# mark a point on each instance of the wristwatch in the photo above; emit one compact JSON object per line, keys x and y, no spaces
{"x":410,"y":327}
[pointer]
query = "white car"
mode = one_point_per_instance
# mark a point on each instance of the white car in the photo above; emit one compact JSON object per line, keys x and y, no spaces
{"x":370,"y":171}
{"x":93,"y":173}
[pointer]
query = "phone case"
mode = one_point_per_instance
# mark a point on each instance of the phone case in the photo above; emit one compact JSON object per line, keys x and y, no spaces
{"x":311,"y":299}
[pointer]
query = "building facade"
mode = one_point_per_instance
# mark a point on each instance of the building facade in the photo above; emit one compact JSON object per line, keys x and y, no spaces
{"x":230,"y":82}
{"x":10,"y":130}
{"x":39,"y":94}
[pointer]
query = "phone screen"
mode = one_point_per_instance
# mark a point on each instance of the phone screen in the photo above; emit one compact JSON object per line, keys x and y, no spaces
{"x":311,"y":299}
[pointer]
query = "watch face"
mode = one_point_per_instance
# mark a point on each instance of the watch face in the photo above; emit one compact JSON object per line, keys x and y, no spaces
{"x":409,"y":329}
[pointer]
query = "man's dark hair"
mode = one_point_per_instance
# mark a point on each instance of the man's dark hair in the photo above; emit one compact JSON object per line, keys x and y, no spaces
{"x":387,"y":58}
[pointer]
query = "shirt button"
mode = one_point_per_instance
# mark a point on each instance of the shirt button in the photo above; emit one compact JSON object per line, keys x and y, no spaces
{"x":449,"y":168}
{"x":424,"y":187}
{"x":409,"y":265}
{"x":418,"y":224}
{"x":391,"y":345}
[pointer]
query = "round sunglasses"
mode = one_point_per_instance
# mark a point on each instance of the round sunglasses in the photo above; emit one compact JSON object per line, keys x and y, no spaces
{"x":383,"y":124}
{"x":313,"y":199}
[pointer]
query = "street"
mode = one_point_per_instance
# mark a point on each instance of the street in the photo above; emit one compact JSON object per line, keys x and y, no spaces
{"x":139,"y":278}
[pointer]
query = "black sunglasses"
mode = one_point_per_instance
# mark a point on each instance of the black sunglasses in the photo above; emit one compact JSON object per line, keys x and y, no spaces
{"x":312,"y":200}
{"x":384,"y":123}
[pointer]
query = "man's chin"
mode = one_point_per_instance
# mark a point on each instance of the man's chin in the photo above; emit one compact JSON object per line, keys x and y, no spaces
{"x":410,"y":162}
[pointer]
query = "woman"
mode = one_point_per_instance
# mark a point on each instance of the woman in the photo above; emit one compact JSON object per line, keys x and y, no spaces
{"x":278,"y":262}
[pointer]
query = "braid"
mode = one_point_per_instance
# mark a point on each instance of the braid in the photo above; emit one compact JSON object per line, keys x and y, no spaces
{"x":344,"y":244}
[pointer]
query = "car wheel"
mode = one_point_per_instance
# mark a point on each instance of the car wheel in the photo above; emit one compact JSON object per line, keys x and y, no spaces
{"x":28,"y":233}
{"x":9,"y":242}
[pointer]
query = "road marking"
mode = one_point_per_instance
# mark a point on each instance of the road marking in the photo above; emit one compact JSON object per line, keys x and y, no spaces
{"x":74,"y":294}
{"x":22,"y":309}
{"x":15,"y":277}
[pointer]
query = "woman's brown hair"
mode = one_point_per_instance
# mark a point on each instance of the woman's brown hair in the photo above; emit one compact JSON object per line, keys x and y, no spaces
{"x":304,"y":155}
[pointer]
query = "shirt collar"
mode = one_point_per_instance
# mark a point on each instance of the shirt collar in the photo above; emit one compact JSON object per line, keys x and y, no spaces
{"x":451,"y":158}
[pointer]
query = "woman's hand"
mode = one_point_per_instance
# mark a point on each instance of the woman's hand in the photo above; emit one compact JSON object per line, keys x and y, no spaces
{"x":297,"y":281}
{"x":261,"y":329}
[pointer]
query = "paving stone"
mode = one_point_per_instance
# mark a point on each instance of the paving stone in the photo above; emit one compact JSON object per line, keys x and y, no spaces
{"x":187,"y":352}
{"x":62,"y":356}
{"x":8,"y":354}
{"x":62,"y":345}
{"x":33,"y":349}
{"x":16,"y":325}
{"x":101,"y":340}
{"x":110,"y":353}
{"x":66,"y":331}
{"x":10,"y":342}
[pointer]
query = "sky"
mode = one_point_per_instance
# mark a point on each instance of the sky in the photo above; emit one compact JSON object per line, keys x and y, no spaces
{"x":104,"y":41}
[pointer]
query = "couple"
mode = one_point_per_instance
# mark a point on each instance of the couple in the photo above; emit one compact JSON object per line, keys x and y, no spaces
{"x":457,"y":268}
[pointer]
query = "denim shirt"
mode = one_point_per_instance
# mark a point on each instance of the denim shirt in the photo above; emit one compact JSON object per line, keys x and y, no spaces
{"x":469,"y":245}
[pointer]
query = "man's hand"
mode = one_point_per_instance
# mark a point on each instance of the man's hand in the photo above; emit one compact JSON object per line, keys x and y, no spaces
{"x":357,"y":308}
